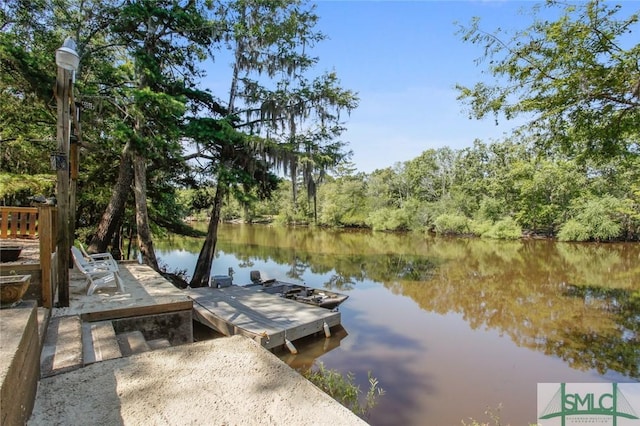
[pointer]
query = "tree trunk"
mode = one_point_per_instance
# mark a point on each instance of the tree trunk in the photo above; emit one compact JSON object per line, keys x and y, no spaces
{"x":293,"y":167}
{"x":205,"y":259}
{"x":114,"y":213}
{"x":145,"y":242}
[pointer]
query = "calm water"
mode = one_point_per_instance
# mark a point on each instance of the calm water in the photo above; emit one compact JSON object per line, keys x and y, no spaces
{"x":451,"y":327}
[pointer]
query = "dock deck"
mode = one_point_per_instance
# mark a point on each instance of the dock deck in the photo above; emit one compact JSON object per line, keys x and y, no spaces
{"x":265,"y":318}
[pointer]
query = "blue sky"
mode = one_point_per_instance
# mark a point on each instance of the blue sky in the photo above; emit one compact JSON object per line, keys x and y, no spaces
{"x":404,"y":60}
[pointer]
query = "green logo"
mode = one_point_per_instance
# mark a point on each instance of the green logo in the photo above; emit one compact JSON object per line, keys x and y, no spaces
{"x":588,"y":405}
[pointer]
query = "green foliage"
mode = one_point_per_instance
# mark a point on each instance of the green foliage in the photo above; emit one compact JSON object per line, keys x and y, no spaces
{"x":342,"y":389}
{"x":544,"y":189}
{"x":574,"y":78}
{"x":504,"y":229}
{"x":490,"y":209}
{"x":387,"y":219}
{"x":573,"y":230}
{"x":16,"y":188}
{"x":596,"y":219}
{"x":452,"y":224}
{"x":480,"y":227}
{"x":343,"y":202}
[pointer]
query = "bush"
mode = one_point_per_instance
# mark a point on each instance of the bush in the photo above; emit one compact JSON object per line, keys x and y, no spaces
{"x":573,"y":230}
{"x":490,"y":209}
{"x":480,"y":227}
{"x":504,"y":229}
{"x":452,"y":224}
{"x":594,"y":221}
{"x":388,"y":219}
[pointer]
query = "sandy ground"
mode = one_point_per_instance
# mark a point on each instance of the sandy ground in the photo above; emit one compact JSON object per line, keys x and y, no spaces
{"x":226,"y":381}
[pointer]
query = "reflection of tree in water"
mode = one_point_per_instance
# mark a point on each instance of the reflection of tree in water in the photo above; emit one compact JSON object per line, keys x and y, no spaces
{"x":517,"y":288}
{"x":340,"y":283}
{"x":617,"y":348}
{"x":410,"y":268}
{"x":247,"y":263}
{"x":297,"y":267}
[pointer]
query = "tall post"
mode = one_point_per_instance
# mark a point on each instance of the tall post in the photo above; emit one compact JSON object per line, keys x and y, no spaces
{"x":63,"y":84}
{"x":67,"y":60}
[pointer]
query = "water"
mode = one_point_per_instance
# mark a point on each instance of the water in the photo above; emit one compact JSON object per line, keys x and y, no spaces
{"x":450,"y":327}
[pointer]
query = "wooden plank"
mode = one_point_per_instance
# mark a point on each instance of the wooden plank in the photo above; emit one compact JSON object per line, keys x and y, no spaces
{"x":208,"y":318}
{"x":100,"y":342}
{"x":45,"y":227}
{"x":62,"y":350}
{"x":266,"y":318}
{"x":135,"y":311}
{"x":4,"y":223}
{"x":12,"y":209}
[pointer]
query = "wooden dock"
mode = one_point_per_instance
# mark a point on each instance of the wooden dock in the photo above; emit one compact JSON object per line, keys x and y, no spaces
{"x":266,"y":318}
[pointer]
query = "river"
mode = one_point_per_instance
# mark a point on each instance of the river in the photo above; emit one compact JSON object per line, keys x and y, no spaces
{"x":450,"y":327}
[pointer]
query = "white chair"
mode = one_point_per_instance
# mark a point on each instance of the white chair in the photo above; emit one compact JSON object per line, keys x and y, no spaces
{"x":100,"y":257}
{"x":98,"y":273}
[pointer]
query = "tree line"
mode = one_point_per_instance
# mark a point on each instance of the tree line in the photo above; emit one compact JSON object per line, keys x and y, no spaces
{"x":503,"y":190}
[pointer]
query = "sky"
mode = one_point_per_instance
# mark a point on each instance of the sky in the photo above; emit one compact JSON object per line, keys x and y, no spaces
{"x":404,"y":59}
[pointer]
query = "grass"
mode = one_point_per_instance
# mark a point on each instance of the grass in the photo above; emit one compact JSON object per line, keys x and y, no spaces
{"x":343,"y":389}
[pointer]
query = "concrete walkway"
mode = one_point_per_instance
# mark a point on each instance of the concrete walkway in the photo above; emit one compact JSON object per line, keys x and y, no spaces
{"x":225,"y":381}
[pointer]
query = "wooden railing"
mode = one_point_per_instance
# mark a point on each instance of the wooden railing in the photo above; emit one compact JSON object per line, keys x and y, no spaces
{"x":35,"y":222}
{"x":18,"y":222}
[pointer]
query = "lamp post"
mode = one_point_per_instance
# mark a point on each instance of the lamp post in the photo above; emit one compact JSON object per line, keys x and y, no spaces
{"x":67,"y":60}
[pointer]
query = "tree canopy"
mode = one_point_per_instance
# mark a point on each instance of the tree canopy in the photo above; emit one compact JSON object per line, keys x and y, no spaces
{"x":577,"y":78}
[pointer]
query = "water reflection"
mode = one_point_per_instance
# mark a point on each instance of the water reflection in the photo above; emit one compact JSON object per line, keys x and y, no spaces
{"x":312,"y":348}
{"x":552,"y":311}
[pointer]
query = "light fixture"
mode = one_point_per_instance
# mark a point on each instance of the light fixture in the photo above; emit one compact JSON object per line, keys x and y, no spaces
{"x":66,"y":56}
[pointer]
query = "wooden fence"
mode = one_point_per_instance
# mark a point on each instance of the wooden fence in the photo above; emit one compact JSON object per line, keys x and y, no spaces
{"x":40,"y":223}
{"x":18,"y":222}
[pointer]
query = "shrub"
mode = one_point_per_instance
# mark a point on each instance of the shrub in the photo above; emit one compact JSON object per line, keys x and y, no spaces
{"x":451,"y":224}
{"x":480,"y":227}
{"x":573,"y":230}
{"x":594,"y":221}
{"x":387,"y":219}
{"x":504,"y":229}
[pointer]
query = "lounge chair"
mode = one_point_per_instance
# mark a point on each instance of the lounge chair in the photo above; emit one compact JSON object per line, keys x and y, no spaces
{"x":99,"y":257}
{"x":99,"y":273}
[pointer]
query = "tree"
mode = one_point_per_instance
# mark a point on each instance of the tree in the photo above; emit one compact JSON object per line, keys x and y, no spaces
{"x":344,"y":201}
{"x":262,"y":36}
{"x":576,"y":79}
{"x":545,"y":189}
{"x":27,"y":43}
{"x":164,"y":41}
{"x":269,"y":41}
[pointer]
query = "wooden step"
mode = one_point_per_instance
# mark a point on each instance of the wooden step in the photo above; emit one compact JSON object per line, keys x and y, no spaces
{"x":62,"y":348}
{"x":132,"y":342}
{"x":159,"y":343}
{"x":99,"y":342}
